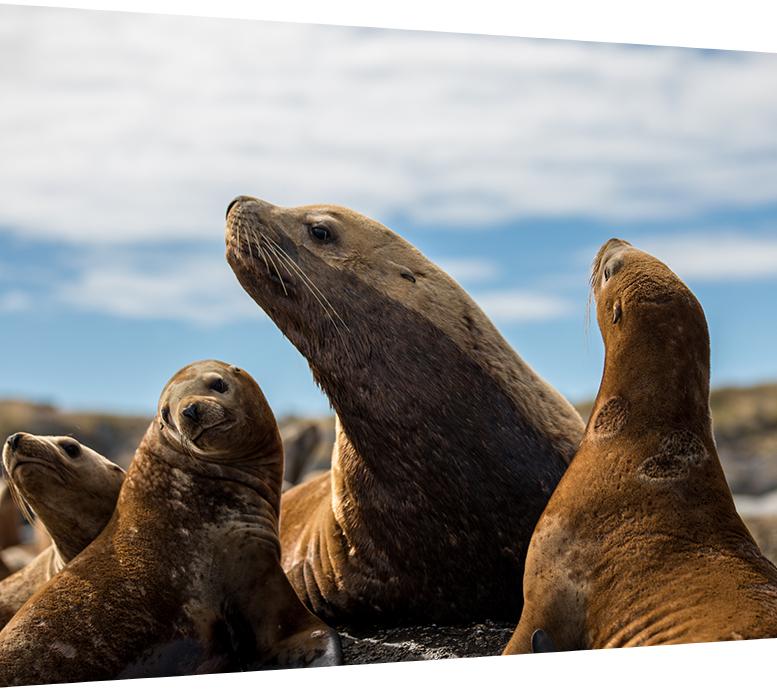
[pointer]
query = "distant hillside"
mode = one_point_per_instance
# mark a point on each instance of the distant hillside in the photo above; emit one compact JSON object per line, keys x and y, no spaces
{"x":114,"y":436}
{"x":745,"y":423}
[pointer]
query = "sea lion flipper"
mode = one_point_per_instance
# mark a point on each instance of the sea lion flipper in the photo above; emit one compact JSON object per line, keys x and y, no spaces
{"x":542,"y":642}
{"x":312,"y":647}
{"x":303,"y":640}
{"x":286,"y":633}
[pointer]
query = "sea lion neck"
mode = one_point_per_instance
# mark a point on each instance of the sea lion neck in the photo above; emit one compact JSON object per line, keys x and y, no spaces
{"x":252,"y":481}
{"x":661,"y":374}
{"x":657,"y":353}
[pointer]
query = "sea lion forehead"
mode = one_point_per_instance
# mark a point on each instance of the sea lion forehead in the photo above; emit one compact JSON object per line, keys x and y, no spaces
{"x":200,"y":369}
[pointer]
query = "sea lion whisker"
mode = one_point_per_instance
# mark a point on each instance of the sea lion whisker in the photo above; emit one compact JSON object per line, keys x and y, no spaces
{"x":310,"y":282}
{"x":277,"y":272}
{"x":287,"y":262}
{"x":21,"y":504}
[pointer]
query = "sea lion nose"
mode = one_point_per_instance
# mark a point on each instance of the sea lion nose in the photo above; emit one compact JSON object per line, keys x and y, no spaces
{"x":13,"y":440}
{"x":256,"y":204}
{"x":240,"y":199}
{"x":191,"y":412}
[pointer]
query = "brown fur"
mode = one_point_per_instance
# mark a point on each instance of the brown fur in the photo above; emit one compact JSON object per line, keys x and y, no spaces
{"x":9,"y":518}
{"x":73,"y":497}
{"x":448,"y":444}
{"x":186,"y":576}
{"x":641,"y":543}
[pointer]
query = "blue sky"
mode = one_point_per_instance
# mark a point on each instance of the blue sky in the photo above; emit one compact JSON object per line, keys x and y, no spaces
{"x":508,"y":161}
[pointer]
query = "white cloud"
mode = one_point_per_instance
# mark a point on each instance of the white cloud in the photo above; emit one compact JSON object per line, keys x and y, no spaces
{"x":118,"y":127}
{"x":14,"y":301}
{"x":190,"y":289}
{"x":469,"y":269}
{"x":715,"y":257}
{"x":517,"y":306}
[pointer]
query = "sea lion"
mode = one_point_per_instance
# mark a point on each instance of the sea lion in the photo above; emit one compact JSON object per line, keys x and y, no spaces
{"x":73,"y":491}
{"x":641,"y":543}
{"x":448,"y":444}
{"x":186,"y":577}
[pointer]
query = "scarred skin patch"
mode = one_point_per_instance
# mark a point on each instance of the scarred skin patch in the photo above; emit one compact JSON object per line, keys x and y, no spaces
{"x":612,"y":417}
{"x":678,"y":452}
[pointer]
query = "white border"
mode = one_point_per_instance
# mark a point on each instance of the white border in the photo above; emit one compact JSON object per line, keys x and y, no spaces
{"x":726,"y":24}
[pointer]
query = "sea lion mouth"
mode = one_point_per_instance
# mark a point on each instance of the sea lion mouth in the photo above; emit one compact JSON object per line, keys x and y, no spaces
{"x":224,"y":425}
{"x":18,"y":463}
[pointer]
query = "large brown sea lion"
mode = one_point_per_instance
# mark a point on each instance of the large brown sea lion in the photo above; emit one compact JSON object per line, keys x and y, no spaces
{"x":640,"y":543}
{"x":186,"y":577}
{"x":448,"y":444}
{"x":73,"y":491}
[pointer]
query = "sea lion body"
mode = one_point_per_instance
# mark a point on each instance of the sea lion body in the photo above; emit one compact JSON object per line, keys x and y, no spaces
{"x":448,"y":445}
{"x":73,"y":496}
{"x":641,"y":543}
{"x":186,"y":576}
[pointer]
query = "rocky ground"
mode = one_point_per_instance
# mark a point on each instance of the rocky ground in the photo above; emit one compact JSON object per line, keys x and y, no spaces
{"x":424,"y":642}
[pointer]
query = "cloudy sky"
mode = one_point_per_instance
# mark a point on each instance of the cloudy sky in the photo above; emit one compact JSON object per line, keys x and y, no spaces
{"x":508,"y":161}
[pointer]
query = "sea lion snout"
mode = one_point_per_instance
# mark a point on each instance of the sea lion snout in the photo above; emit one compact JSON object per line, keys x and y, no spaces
{"x":608,"y":262}
{"x":17,"y":446}
{"x":243,"y":202}
{"x":190,"y":412}
{"x":199,"y":414}
{"x":14,"y":440}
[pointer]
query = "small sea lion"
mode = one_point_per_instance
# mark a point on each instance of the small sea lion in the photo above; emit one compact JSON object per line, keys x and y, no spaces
{"x":72,"y":489}
{"x":641,"y":543}
{"x":448,"y":444}
{"x":186,"y":577}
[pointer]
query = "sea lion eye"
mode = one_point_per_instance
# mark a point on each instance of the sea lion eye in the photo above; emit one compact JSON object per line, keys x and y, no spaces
{"x":607,"y":273}
{"x":320,"y":233}
{"x":166,"y":415}
{"x":71,"y":449}
{"x":219,"y":385}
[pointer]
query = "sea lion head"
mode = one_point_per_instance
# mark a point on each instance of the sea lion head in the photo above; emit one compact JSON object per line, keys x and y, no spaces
{"x":655,"y":334}
{"x":328,"y":275}
{"x":216,"y":411}
{"x":71,"y":488}
{"x":637,"y":294}
{"x":634,"y":289}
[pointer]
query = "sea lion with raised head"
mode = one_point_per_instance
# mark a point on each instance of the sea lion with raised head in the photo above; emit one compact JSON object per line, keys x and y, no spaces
{"x":186,"y":577}
{"x":72,"y":489}
{"x":641,"y":543}
{"x":448,"y":444}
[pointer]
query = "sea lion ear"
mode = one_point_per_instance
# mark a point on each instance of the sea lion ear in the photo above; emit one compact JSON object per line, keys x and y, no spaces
{"x":541,"y":642}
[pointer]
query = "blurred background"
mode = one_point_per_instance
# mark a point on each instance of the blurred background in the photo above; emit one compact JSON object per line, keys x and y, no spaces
{"x":508,"y":161}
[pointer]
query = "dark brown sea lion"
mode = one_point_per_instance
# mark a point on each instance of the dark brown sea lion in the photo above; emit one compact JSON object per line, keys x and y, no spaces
{"x":73,"y":491}
{"x":186,"y":577}
{"x":448,"y":444}
{"x":640,"y":543}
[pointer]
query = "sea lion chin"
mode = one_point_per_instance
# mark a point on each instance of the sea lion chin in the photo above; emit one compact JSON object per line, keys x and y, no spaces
{"x":72,"y":489}
{"x":185,"y":578}
{"x":448,"y":444}
{"x":641,"y":544}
